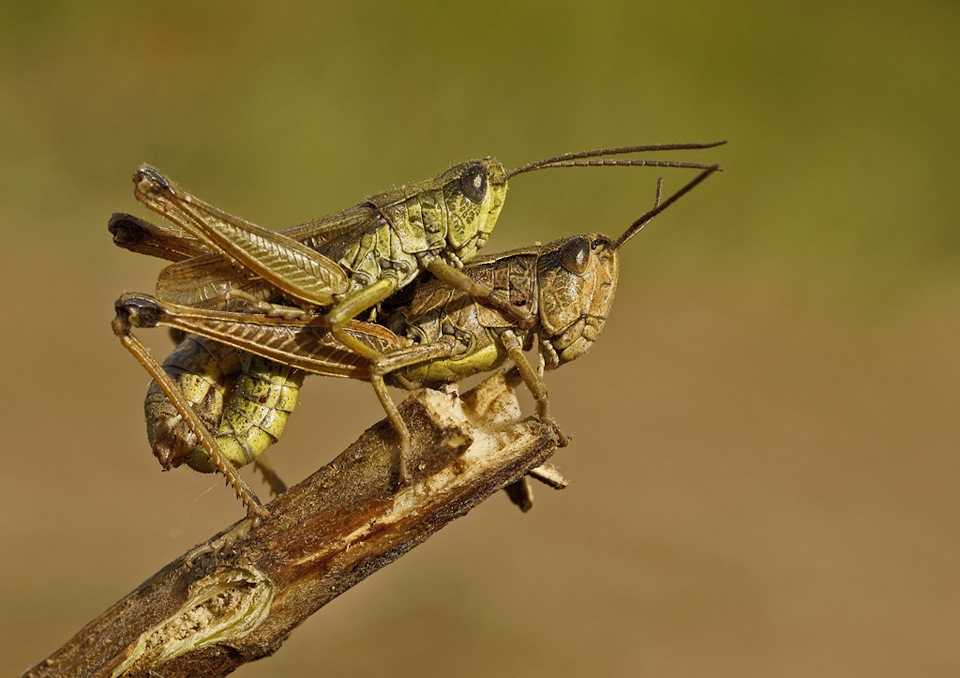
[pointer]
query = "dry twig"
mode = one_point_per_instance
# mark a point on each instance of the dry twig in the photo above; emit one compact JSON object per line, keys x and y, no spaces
{"x":237,"y":597}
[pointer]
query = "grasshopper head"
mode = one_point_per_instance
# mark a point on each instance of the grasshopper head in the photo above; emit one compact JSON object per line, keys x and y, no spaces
{"x":577,"y":280}
{"x":473,"y":192}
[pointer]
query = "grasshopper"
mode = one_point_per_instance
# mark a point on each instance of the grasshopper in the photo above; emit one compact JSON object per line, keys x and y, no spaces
{"x":440,"y":336}
{"x":336,"y":267}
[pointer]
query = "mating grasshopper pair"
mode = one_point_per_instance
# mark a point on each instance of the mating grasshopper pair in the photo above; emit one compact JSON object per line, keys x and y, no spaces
{"x":233,"y":281}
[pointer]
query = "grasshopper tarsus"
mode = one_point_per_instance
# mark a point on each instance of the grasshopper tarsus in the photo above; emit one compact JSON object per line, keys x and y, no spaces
{"x":256,"y":515}
{"x":255,"y":508}
{"x":563,"y":440}
{"x":401,"y":477}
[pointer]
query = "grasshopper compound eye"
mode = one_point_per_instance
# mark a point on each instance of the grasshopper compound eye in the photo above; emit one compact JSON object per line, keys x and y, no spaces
{"x":575,"y":256}
{"x":473,"y":183}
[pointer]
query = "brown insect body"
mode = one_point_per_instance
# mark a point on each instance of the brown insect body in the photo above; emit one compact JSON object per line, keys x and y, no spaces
{"x":568,"y":285}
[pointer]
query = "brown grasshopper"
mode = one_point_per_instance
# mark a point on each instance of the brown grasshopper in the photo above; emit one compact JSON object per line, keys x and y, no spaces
{"x":336,"y":267}
{"x":440,"y":336}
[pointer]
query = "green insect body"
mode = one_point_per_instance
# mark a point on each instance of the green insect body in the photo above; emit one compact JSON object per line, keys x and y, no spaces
{"x":390,"y":234}
{"x":394,"y":234}
{"x":244,"y":400}
{"x":450,"y":217}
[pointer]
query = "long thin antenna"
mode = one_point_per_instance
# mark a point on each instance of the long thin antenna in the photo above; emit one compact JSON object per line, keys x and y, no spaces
{"x":610,"y":162}
{"x":563,"y":159}
{"x":656,"y":203}
{"x":638,"y":225}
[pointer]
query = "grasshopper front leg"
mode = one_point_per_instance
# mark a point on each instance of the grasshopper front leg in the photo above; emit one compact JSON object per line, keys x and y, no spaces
{"x":352,"y":305}
{"x":397,"y":360}
{"x":533,"y":380}
{"x":479,"y":292}
{"x":128,"y":317}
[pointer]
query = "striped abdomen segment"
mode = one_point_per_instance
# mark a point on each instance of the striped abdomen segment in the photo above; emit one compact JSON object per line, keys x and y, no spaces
{"x":243,"y":399}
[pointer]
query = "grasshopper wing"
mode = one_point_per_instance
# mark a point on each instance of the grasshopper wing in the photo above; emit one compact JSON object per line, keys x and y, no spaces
{"x":174,"y":244}
{"x":305,"y":344}
{"x":204,"y":280}
{"x":288,"y":265}
{"x":140,"y":236}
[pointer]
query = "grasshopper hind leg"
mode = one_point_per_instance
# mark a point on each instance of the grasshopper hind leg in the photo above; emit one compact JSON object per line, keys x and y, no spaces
{"x":133,"y":314}
{"x":392,"y":363}
{"x":244,"y":400}
{"x":533,"y":379}
{"x":400,"y":426}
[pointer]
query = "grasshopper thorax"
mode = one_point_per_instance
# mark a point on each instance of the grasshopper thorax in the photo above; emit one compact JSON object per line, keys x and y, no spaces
{"x":577,"y":280}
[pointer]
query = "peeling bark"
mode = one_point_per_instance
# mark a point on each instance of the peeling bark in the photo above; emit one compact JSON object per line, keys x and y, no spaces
{"x":237,"y":597}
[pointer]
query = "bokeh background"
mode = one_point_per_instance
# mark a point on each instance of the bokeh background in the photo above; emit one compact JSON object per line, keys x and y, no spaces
{"x":765,"y":461}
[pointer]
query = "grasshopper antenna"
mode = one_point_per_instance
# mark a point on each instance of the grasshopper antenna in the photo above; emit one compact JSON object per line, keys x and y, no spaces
{"x":595,"y":158}
{"x":656,"y":203}
{"x":638,"y":225}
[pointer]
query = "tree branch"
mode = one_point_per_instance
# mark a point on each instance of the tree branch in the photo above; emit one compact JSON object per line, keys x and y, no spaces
{"x":237,"y":597}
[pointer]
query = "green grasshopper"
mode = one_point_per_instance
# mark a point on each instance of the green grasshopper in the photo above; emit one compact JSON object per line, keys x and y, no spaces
{"x":336,"y":267}
{"x":440,"y":336}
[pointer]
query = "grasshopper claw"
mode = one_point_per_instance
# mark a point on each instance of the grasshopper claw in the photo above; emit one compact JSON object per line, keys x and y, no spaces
{"x":562,"y":438}
{"x":256,"y":512}
{"x":402,"y":477}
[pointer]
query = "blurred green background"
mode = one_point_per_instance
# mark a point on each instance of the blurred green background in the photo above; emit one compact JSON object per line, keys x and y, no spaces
{"x":764,"y":467}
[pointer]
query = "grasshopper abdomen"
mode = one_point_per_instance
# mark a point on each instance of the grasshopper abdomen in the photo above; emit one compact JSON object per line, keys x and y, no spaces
{"x":244,"y":400}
